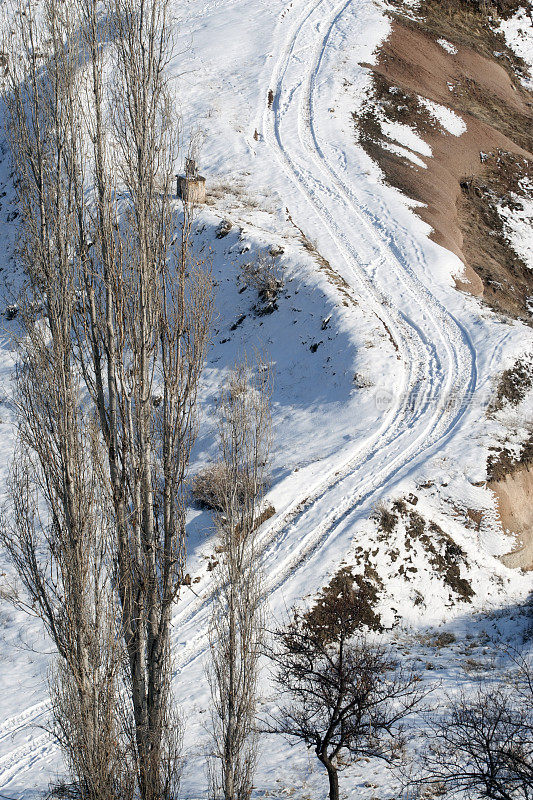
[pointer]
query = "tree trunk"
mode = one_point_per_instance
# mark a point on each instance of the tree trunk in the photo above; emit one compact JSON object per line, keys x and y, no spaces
{"x":333,"y":777}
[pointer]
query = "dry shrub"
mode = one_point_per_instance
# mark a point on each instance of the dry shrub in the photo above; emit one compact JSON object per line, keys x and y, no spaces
{"x":514,"y":383}
{"x":385,"y":518}
{"x":265,"y":275}
{"x":210,"y":486}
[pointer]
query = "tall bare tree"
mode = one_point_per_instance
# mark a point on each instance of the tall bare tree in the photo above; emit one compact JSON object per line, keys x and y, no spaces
{"x":236,"y":629}
{"x":144,"y":324}
{"x":56,"y":531}
{"x":138,"y":317}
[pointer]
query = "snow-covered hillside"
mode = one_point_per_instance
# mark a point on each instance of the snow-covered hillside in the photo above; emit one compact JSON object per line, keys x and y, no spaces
{"x":382,"y":370}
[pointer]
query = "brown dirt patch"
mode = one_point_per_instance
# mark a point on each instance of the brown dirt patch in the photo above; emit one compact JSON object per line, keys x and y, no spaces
{"x":514,"y":495}
{"x":511,"y":480}
{"x":485,"y":91}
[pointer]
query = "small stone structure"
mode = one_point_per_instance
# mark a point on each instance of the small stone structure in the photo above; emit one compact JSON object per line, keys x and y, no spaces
{"x":191,"y":190}
{"x":191,"y":186}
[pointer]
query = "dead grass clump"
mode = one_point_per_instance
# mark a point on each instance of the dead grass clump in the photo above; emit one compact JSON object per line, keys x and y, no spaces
{"x":265,"y":515}
{"x":400,"y":506}
{"x":385,"y":518}
{"x":265,"y":275}
{"x":445,"y":639}
{"x":209,"y":486}
{"x":416,"y":526}
{"x":473,"y":666}
{"x":514,"y":383}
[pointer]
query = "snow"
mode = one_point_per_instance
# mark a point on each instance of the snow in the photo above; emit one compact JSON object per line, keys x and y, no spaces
{"x":448,"y":46}
{"x":412,"y":423}
{"x":518,"y":221}
{"x":404,"y":153}
{"x":446,"y":117}
{"x":406,"y":136}
{"x":518,"y":33}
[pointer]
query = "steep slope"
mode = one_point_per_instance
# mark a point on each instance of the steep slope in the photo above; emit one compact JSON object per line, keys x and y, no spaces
{"x":382,"y":373}
{"x":447,"y":72}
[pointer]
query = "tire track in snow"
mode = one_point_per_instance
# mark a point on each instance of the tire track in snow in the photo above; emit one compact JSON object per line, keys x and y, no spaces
{"x":23,"y":757}
{"x":18,"y":722}
{"x":435,"y":347}
{"x":437,"y":355}
{"x":36,"y":748}
{"x":445,"y":352}
{"x":455,"y":368}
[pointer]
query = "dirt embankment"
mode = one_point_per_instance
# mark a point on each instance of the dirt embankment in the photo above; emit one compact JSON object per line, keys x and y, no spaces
{"x":514,"y":495}
{"x":510,"y":472}
{"x":469,"y":174}
{"x":511,"y":480}
{"x":466,"y":181}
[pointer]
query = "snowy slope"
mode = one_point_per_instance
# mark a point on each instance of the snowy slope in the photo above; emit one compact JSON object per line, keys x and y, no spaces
{"x":366,"y":293}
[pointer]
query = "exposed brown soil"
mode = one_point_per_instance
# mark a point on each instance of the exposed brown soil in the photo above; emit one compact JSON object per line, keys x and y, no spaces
{"x":511,"y":476}
{"x":460,"y":187}
{"x":514,"y":495}
{"x":511,"y":480}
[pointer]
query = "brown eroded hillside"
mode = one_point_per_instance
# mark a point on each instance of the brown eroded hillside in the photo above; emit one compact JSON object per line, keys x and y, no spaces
{"x":469,"y":175}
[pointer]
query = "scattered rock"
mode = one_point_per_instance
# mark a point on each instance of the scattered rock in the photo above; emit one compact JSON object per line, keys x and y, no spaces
{"x":238,"y":322}
{"x":223,"y":229}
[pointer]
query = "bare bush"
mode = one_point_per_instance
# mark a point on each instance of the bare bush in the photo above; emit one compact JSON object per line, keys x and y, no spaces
{"x":265,"y":275}
{"x":236,"y":626}
{"x":481,"y":745}
{"x":210,"y":486}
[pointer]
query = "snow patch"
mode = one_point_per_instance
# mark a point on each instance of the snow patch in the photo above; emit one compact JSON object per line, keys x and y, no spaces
{"x":446,"y":118}
{"x":405,"y":136}
{"x":404,"y":153}
{"x":518,"y":221}
{"x":518,"y":33}
{"x":448,"y":46}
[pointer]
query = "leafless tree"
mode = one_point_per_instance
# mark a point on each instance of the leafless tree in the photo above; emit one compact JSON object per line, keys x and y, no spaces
{"x":237,"y":625}
{"x":143,"y":329}
{"x":136,"y":323}
{"x":346,"y":695}
{"x":481,"y":745}
{"x":55,"y":530}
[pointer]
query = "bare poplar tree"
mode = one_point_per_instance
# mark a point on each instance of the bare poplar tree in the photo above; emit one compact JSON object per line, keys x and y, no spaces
{"x":135,"y":327}
{"x":236,"y":629}
{"x":143,"y":326}
{"x":56,"y":532}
